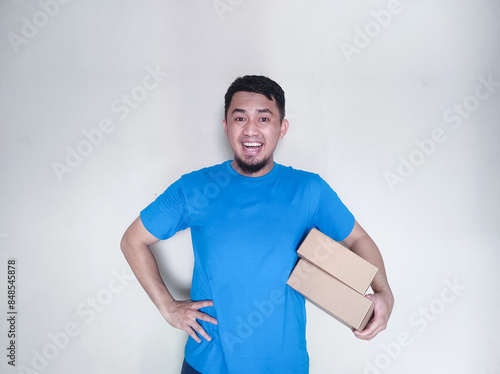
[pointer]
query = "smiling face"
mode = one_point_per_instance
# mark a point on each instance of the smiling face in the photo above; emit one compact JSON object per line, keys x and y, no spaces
{"x":253,"y":129}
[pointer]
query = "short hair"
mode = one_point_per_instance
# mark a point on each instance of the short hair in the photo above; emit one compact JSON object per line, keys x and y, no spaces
{"x":257,"y":84}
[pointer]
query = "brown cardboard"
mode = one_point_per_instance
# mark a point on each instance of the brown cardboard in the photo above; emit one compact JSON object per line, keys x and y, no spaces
{"x":337,"y":260}
{"x":331,"y":295}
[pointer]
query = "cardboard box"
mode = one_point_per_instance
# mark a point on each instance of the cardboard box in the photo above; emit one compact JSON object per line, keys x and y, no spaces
{"x":337,"y":260}
{"x":335,"y":279}
{"x":331,"y":295}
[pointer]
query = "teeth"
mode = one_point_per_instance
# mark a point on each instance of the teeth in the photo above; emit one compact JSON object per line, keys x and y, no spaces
{"x":252,"y":144}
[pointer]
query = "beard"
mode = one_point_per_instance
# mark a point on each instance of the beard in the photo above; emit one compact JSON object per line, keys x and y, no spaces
{"x":251,"y":167}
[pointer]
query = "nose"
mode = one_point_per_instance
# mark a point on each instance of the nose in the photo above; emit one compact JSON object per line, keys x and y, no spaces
{"x":251,"y":128}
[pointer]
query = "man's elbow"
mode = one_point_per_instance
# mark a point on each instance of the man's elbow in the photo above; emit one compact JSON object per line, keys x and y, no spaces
{"x":136,"y":239}
{"x":125,"y":243}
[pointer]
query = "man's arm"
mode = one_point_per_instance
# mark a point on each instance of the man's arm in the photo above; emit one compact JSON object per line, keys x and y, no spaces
{"x":360,"y":243}
{"x":180,"y":314}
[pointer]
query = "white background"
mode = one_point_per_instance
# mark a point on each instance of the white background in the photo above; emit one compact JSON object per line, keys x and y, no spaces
{"x":358,"y":106}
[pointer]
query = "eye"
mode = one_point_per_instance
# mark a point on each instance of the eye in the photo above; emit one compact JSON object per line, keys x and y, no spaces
{"x":264,"y":119}
{"x":239,"y":119}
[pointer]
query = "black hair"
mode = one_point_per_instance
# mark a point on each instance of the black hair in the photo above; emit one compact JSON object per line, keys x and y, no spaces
{"x":257,"y":84}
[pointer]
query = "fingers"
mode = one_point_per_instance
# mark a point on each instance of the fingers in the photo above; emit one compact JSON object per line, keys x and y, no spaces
{"x":203,"y":316}
{"x":185,"y":315}
{"x":193,"y":326}
{"x":201,"y":304}
{"x":371,"y":331}
{"x":196,"y":328}
{"x":378,"y":323}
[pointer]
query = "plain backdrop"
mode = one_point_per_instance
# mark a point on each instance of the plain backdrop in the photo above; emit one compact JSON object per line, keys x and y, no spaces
{"x":103,"y":104}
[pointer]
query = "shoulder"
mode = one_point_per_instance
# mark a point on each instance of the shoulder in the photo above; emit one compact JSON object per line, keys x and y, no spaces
{"x":313,"y":182}
{"x":307,"y":176}
{"x":207,"y":174}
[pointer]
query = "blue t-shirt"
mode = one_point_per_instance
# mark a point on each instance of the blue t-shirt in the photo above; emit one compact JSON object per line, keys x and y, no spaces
{"x":245,"y":233}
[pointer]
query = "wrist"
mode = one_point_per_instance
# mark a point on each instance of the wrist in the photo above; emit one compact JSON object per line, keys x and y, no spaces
{"x":386,"y":294}
{"x":166,"y":305}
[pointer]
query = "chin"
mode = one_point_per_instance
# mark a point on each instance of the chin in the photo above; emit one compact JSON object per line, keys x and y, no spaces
{"x":252,"y":165}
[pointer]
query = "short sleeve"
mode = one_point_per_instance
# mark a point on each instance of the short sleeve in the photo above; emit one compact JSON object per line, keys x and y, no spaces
{"x":167,"y":214}
{"x":332,"y":217}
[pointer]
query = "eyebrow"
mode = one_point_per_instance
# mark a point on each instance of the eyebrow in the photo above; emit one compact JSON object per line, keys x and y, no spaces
{"x":239,"y":110}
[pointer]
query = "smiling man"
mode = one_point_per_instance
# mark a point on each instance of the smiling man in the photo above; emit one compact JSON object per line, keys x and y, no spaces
{"x":253,"y":126}
{"x":247,"y":218}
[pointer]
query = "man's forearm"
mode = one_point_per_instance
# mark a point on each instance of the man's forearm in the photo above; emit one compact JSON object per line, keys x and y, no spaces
{"x":145,"y":268}
{"x":360,"y":243}
{"x":365,"y":247}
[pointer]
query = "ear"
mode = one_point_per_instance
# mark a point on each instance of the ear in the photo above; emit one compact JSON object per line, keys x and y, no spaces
{"x":284,"y":128}
{"x":224,"y":123}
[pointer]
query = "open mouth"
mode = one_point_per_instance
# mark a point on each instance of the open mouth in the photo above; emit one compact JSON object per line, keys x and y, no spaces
{"x":253,"y":146}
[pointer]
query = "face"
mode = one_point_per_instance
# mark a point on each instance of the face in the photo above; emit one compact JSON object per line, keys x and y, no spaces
{"x":253,"y":129}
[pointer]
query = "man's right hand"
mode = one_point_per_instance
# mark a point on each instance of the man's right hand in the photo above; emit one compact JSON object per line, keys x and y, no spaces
{"x":184,"y":315}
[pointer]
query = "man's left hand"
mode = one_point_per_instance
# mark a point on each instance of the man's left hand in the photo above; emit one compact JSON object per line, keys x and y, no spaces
{"x":383,"y":303}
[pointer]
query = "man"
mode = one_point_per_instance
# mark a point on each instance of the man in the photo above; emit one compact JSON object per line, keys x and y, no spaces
{"x":247,"y":218}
